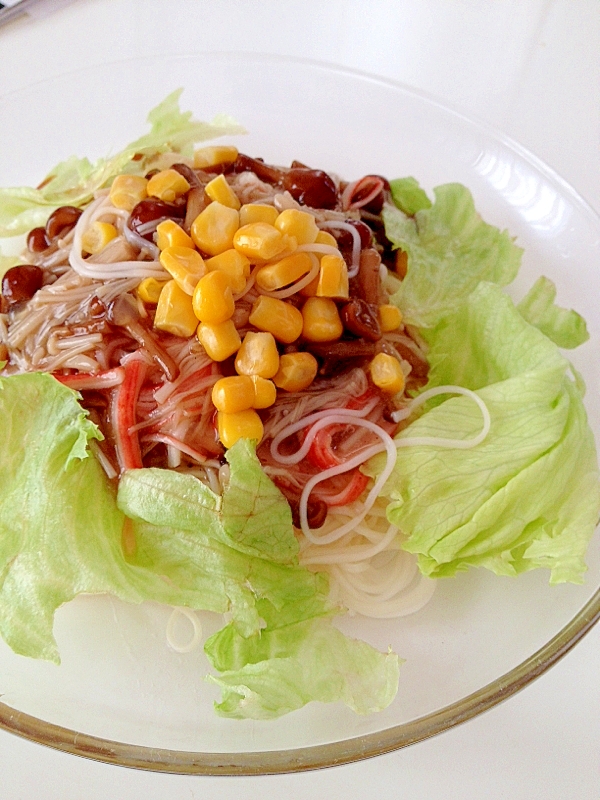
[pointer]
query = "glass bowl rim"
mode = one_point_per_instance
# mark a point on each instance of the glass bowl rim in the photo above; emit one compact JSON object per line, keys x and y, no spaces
{"x":346,"y":751}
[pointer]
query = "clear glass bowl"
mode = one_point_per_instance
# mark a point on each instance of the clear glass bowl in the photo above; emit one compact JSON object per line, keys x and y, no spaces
{"x":120,"y":695}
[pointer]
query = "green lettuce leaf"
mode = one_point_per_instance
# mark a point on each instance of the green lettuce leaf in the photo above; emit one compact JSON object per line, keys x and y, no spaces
{"x":526,"y":497}
{"x":564,"y":326}
{"x":450,"y":250}
{"x":60,"y":530}
{"x":165,"y":497}
{"x":252,"y":516}
{"x":238,"y":554}
{"x":201,"y":572}
{"x":408,"y":196}
{"x":73,"y":182}
{"x":199,"y":542}
{"x":281,"y":670}
{"x":256,"y":517}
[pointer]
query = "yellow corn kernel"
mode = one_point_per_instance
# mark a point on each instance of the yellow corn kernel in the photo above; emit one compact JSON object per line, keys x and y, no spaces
{"x":324,"y":237}
{"x":97,"y":236}
{"x":149,"y":290}
{"x":281,"y":319}
{"x":296,"y":372}
{"x":212,"y":156}
{"x":213,"y":299}
{"x":170,"y":234}
{"x":235,"y":265}
{"x":386,"y":373}
{"x":167,"y":185}
{"x":265,"y":392}
{"x":299,"y":224}
{"x":214,"y":228}
{"x":220,"y":341}
{"x":221,"y":192}
{"x":126,"y":191}
{"x":258,"y":212}
{"x":333,"y":278}
{"x":401,"y":263}
{"x":258,"y":355}
{"x":174,"y":312}
{"x":241,"y":425}
{"x":284,"y":272}
{"x":322,"y":321}
{"x":185,"y":265}
{"x":261,"y":242}
{"x":390,"y":317}
{"x":234,"y":393}
{"x":310,"y":290}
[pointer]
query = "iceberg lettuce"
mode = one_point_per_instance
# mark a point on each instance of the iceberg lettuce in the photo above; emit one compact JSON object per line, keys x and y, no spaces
{"x":61,"y":534}
{"x":450,"y":250}
{"x":408,"y":195}
{"x":283,"y":669}
{"x":565,"y":327}
{"x":73,"y":182}
{"x":60,"y":529}
{"x":528,"y":496}
{"x":280,"y":650}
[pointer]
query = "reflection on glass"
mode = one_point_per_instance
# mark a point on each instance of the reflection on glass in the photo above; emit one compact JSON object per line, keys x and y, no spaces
{"x":537,"y":202}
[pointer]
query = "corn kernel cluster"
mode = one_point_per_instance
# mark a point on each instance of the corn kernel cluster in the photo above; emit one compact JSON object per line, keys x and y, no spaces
{"x":207,"y":267}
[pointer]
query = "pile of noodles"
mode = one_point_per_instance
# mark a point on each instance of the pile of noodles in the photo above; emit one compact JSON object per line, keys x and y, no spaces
{"x":55,"y":332}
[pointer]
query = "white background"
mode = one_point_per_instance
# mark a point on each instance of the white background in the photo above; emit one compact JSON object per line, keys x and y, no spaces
{"x":532,"y":69}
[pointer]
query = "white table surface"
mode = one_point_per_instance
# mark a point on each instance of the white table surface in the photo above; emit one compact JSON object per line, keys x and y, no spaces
{"x":528,"y":67}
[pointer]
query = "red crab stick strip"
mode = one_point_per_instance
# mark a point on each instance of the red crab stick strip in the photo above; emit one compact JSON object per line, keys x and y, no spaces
{"x":355,"y":487}
{"x":321,"y":452}
{"x":89,"y":380}
{"x":124,"y":402}
{"x":369,"y":186}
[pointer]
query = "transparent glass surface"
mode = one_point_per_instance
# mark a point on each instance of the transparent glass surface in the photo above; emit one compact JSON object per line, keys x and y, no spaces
{"x":120,"y":694}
